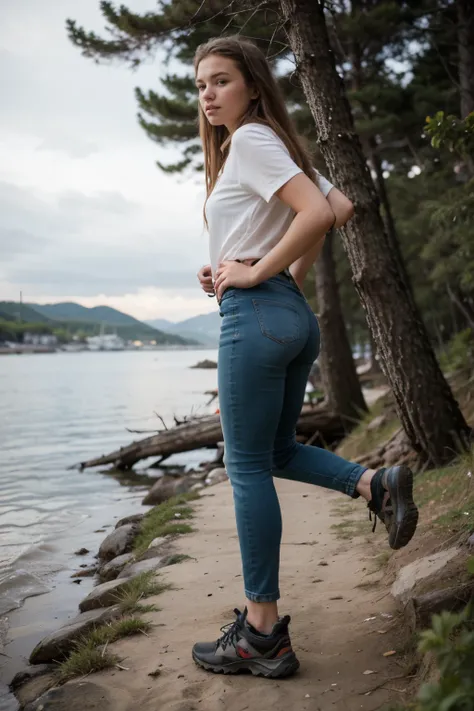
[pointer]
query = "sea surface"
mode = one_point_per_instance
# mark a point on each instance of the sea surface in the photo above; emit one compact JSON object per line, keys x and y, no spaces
{"x":57,"y":410}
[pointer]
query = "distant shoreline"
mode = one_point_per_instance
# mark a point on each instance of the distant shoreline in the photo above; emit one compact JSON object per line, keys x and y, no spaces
{"x":43,"y":350}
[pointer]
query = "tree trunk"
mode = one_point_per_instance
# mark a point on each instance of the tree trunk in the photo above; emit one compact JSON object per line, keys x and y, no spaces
{"x":465,"y":12}
{"x":390,"y":227}
{"x":338,"y":371}
{"x":427,"y":409}
{"x":374,"y":360}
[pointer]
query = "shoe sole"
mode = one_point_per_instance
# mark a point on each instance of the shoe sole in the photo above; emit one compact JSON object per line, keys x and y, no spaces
{"x":405,"y":513}
{"x":269,"y":668}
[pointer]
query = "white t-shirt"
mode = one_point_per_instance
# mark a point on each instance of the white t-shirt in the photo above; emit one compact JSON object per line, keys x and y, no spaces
{"x":245,"y":217}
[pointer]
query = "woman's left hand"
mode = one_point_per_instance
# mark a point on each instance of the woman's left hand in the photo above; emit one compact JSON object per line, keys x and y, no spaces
{"x":233,"y":274}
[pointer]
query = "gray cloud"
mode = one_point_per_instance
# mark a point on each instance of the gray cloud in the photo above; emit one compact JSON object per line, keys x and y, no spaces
{"x":83,"y":210}
{"x":16,"y":242}
{"x":73,"y":146}
{"x":50,"y":246}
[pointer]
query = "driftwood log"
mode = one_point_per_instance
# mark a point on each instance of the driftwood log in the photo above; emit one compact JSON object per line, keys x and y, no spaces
{"x":419,"y":610}
{"x":315,"y":423}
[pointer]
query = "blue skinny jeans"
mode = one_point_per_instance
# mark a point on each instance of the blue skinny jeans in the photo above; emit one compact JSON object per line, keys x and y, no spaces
{"x":269,"y":340}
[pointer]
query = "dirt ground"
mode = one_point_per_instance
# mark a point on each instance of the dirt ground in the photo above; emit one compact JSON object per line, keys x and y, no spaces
{"x":343,"y":619}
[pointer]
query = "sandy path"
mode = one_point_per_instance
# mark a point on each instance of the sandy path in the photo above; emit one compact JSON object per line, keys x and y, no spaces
{"x":330,"y":636}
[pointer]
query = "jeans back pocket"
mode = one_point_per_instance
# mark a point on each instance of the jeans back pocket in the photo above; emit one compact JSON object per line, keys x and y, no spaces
{"x":278,"y":321}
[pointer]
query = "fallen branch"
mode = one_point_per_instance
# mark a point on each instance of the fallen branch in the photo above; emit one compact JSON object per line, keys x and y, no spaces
{"x":206,"y":431}
{"x":382,"y":683}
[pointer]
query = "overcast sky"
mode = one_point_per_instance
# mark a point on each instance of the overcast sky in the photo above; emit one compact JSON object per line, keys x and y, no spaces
{"x":85,"y":214}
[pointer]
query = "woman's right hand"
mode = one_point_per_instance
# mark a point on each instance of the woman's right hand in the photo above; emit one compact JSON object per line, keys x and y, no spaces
{"x":205,"y":280}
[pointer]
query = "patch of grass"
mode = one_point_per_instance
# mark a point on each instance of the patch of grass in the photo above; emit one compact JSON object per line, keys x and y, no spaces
{"x":381,"y":560}
{"x":112,"y":631}
{"x":345,"y":508}
{"x":362,"y":440}
{"x":88,"y":658}
{"x":447,"y":494}
{"x":368,"y":585}
{"x":177,"y":558}
{"x":348,"y":529}
{"x":163,"y":521}
{"x":85,"y":660}
{"x":143,"y":586}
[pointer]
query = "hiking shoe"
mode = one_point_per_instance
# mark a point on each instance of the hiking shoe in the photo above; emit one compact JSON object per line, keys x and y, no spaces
{"x":242,"y":647}
{"x":392,"y":502}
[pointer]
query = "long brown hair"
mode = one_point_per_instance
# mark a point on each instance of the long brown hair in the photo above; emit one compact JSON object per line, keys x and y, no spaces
{"x":268,"y":109}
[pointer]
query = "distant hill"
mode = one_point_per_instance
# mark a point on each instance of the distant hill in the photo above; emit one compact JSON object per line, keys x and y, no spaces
{"x":204,"y":328}
{"x":69,"y":311}
{"x":11,"y":311}
{"x":74,"y":317}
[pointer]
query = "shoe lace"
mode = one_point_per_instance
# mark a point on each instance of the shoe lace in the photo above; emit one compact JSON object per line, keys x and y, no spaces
{"x":230,"y":631}
{"x":379,"y":513}
{"x":372,"y":510}
{"x":374,"y":519}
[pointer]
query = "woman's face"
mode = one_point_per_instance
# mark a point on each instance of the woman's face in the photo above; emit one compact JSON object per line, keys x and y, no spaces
{"x":223,"y":94}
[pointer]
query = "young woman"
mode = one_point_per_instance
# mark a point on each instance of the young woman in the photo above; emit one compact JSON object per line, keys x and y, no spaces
{"x":267,"y":212}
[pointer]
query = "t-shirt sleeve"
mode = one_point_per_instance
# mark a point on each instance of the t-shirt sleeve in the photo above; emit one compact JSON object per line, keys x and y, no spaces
{"x":263,"y":161}
{"x":324,"y":185}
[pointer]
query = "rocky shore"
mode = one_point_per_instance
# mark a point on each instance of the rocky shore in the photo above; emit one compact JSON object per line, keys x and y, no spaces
{"x":124,"y":568}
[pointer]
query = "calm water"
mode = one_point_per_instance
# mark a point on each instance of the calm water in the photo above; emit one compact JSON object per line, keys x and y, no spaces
{"x":60,"y":409}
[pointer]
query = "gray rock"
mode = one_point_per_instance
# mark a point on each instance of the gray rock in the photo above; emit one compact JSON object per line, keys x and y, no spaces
{"x":216,"y":476}
{"x":205,"y":364}
{"x":165,"y":488}
{"x":110,"y":570}
{"x":59,"y":644}
{"x":118,"y":542}
{"x":83,"y":696}
{"x":134,"y":518}
{"x":421,"y":569}
{"x":158,"y":542}
{"x":143,"y":566}
{"x":197,"y":487}
{"x":470,"y":541}
{"x":102,"y":595}
{"x":31,"y":673}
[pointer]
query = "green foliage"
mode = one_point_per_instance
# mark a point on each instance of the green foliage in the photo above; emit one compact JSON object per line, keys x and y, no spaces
{"x":451,"y":641}
{"x":459,"y":353}
{"x":455,"y":134}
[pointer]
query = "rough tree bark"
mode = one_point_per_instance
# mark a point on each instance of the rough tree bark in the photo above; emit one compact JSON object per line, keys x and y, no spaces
{"x":427,"y":409}
{"x":465,"y":13}
{"x":338,"y":371}
{"x":465,"y":16}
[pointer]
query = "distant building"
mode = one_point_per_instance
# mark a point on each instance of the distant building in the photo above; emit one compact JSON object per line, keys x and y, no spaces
{"x":105,"y":342}
{"x":40,"y":339}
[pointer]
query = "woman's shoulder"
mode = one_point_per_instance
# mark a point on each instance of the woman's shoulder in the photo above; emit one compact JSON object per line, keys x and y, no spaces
{"x":254,"y":132}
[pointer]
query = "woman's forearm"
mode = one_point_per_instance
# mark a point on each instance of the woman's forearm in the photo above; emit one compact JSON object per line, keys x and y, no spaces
{"x":300,"y":268}
{"x":343,"y":210}
{"x":304,"y":234}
